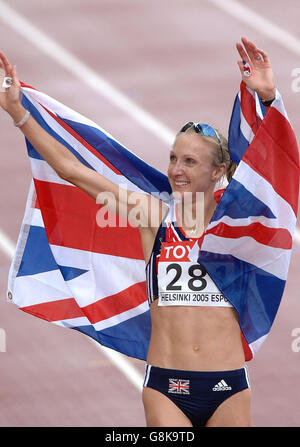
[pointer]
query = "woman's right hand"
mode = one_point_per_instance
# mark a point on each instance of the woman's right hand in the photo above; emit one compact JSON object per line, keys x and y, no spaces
{"x":9,"y":97}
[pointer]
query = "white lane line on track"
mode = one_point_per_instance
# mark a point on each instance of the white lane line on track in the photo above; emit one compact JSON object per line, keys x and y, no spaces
{"x":297,"y":236}
{"x":80,"y":70}
{"x":121,"y":362}
{"x":7,"y":245}
{"x":261,"y":24}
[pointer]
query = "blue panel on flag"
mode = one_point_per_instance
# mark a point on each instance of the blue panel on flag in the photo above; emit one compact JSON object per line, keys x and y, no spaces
{"x":238,"y":203}
{"x":132,"y":167}
{"x":69,"y":273}
{"x":237,"y":143}
{"x":254,"y":292}
{"x":37,"y":256}
{"x":37,"y":116}
{"x":131,"y":337}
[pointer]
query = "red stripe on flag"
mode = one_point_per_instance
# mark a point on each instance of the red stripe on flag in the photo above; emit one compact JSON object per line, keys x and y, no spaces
{"x":102,"y":309}
{"x":248,"y":108}
{"x":82,"y":141}
{"x":247,"y":351}
{"x":273,"y":237}
{"x":115,"y":304}
{"x":55,"y":310}
{"x":274,"y":155}
{"x":69,"y":216}
{"x":26,"y":85}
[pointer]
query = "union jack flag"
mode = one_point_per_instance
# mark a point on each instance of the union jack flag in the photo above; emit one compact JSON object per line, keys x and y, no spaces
{"x":179,"y":386}
{"x":67,"y":269}
{"x":71,"y":272}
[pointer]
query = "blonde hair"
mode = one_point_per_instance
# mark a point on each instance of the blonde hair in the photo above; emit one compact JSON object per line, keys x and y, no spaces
{"x":217,"y":159}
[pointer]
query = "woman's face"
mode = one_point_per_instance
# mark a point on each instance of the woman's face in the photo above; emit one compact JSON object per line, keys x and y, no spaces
{"x":191,"y":167}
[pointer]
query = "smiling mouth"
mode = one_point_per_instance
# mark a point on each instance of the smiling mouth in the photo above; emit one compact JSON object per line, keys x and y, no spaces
{"x":181,"y":183}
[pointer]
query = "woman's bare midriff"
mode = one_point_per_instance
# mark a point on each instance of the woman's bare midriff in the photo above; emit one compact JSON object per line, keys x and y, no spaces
{"x":197,"y":338}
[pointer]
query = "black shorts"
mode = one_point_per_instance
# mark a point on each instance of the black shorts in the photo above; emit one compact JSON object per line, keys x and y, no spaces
{"x":197,"y":393}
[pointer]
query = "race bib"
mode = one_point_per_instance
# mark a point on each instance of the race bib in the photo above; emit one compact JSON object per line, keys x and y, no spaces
{"x":182,"y":282}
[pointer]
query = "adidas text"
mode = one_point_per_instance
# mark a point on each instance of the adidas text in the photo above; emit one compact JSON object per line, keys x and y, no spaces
{"x":222,"y":386}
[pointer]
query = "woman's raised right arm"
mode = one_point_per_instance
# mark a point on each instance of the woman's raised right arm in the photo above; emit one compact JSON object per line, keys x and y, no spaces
{"x":61,"y":159}
{"x":55,"y":154}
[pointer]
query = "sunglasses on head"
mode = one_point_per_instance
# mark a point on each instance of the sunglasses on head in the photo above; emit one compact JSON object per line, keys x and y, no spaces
{"x":206,"y":130}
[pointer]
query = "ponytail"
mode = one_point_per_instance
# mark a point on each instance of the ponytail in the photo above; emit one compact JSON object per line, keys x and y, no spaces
{"x":225,"y":157}
{"x":230,"y":170}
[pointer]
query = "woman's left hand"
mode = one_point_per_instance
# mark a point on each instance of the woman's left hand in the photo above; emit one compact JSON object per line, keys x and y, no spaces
{"x":261,"y":78}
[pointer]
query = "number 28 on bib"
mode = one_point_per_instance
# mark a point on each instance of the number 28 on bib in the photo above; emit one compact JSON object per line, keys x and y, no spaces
{"x":182,"y":282}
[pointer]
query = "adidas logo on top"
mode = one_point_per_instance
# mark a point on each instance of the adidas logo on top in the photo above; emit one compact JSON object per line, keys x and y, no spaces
{"x":222,"y":386}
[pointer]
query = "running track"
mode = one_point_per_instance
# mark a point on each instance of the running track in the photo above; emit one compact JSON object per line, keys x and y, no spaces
{"x":176,"y":60}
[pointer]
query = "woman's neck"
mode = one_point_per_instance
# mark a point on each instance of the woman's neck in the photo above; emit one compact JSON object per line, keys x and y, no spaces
{"x":194,"y":216}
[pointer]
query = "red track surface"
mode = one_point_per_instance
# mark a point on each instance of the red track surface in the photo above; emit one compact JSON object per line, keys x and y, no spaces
{"x":177,"y":60}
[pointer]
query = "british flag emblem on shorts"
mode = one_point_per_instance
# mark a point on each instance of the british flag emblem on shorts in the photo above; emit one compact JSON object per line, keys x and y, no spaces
{"x":179,"y":386}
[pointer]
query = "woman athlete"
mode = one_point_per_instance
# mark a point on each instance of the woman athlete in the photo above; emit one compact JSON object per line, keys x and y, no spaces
{"x":195,"y":373}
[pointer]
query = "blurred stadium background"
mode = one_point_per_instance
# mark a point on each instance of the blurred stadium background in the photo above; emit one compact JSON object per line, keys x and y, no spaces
{"x":140,"y":69}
